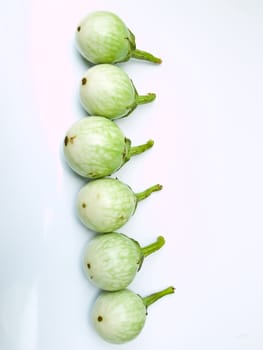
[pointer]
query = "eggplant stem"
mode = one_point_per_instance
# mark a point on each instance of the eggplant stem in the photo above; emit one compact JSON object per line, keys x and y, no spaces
{"x":144,"y":55}
{"x":146,"y":193}
{"x":152,"y":298}
{"x":153,"y":247}
{"x":141,"y":99}
{"x":141,"y":148}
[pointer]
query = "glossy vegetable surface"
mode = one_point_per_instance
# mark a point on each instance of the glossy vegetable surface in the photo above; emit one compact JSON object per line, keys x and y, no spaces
{"x":119,"y":317}
{"x":95,"y":147}
{"x":102,"y":37}
{"x":111,"y":260}
{"x":106,"y":90}
{"x":105,"y":205}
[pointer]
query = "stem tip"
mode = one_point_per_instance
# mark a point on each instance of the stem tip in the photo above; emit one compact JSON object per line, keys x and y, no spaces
{"x":151,"y":96}
{"x":150,"y":143}
{"x":161,"y":240}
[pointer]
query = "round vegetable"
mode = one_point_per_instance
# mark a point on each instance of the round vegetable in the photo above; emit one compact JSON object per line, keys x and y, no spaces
{"x":111,"y":260}
{"x":95,"y":147}
{"x":102,"y":37}
{"x":107,"y":91}
{"x":105,"y":205}
{"x":119,"y":317}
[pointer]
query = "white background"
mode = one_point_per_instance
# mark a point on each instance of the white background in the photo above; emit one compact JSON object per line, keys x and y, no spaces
{"x":207,"y":126}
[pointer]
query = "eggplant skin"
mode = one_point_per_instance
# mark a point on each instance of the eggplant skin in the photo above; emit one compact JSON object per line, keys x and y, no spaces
{"x":119,"y":317}
{"x":102,"y":37}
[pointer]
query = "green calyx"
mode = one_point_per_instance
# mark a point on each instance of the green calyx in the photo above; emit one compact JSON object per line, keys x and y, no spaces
{"x":151,"y":248}
{"x":140,"y":54}
{"x":131,"y":151}
{"x":139,"y":100}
